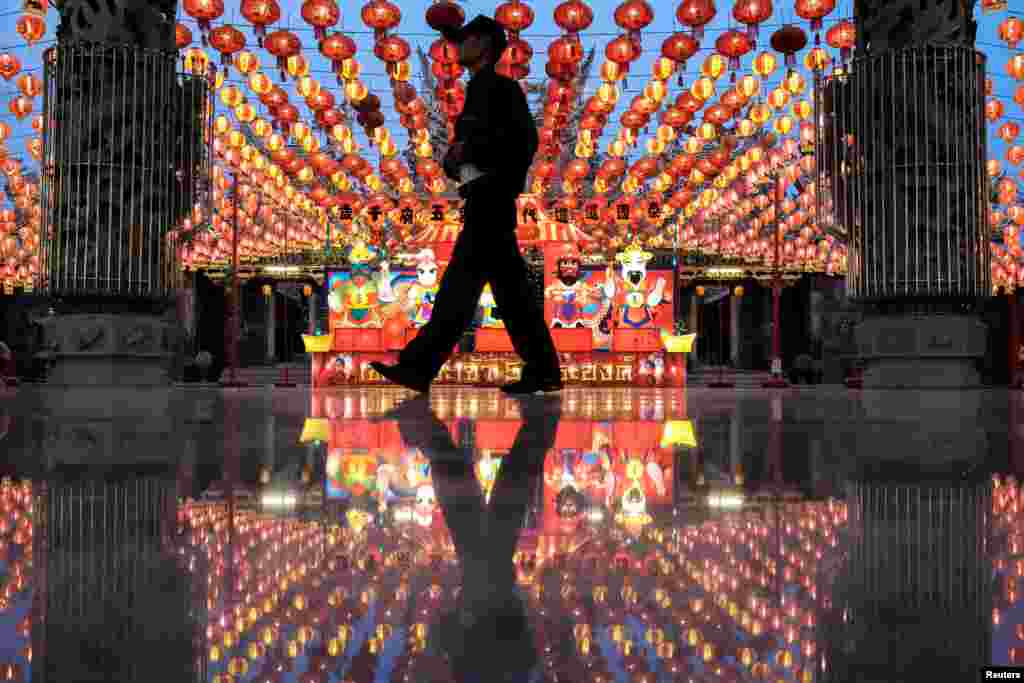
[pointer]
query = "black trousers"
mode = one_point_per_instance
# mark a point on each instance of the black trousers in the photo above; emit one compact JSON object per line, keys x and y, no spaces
{"x":486,"y":251}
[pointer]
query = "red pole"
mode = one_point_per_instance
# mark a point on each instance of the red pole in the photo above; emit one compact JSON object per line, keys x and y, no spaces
{"x":777,"y":380}
{"x":236,"y":328}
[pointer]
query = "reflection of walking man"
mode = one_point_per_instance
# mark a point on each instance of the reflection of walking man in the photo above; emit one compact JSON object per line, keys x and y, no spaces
{"x":487,"y":636}
{"x":495,"y":141}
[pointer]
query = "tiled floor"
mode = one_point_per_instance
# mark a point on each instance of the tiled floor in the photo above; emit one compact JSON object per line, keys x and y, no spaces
{"x":808,"y":534}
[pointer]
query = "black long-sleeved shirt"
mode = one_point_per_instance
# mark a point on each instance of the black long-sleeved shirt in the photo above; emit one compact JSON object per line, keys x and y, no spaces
{"x":497,"y":130}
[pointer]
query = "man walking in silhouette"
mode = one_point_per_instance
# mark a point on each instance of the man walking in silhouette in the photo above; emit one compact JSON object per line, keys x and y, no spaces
{"x":495,"y":141}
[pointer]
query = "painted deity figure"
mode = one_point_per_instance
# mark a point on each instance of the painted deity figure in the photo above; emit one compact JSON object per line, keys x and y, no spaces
{"x":418,"y":298}
{"x":357,"y":301}
{"x":636,"y":300}
{"x":570,"y":293}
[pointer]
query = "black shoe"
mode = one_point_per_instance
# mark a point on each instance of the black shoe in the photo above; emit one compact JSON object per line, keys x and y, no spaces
{"x":402,"y":376}
{"x":532,"y":385}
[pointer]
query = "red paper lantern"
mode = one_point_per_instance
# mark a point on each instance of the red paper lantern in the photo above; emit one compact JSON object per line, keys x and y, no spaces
{"x":21,"y":106}
{"x":1010,"y":31}
{"x":337,"y":47}
{"x":717,"y":114}
{"x":381,"y":15}
{"x":391,"y":49}
{"x":204,"y":12}
{"x":261,"y":13}
{"x":752,"y":13}
{"x":622,"y":50}
{"x":514,"y":16}
{"x":565,"y":51}
{"x":9,"y":66}
{"x":574,"y":16}
{"x":321,"y":100}
{"x":734,"y":45}
{"x":789,"y":40}
{"x":227,"y":40}
{"x":560,"y":71}
{"x":282,"y":44}
{"x":321,"y":15}
{"x":814,"y":11}
{"x":634,"y":15}
{"x":842,"y":36}
{"x":676,"y":118}
{"x":696,"y":14}
{"x":679,"y":47}
{"x":518,"y":52}
{"x":1014,"y":67}
{"x":182,"y":36}
{"x":444,"y":15}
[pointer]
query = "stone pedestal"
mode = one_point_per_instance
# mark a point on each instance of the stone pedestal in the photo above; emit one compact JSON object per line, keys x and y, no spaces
{"x":921,"y":351}
{"x":105,"y":349}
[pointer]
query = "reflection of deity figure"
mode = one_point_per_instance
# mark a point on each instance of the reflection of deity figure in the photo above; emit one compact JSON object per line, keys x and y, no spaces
{"x":357,"y":300}
{"x":569,"y":501}
{"x":418,"y":299}
{"x":653,"y":367}
{"x":636,"y":301}
{"x":487,"y":305}
{"x":337,"y":370}
{"x":425,"y":505}
{"x":570,"y":293}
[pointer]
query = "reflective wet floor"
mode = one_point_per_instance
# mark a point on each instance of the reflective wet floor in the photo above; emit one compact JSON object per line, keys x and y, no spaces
{"x":809,"y":534}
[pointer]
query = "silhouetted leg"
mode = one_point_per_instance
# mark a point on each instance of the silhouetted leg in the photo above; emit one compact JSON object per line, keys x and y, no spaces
{"x":520,"y":311}
{"x":518,"y":477}
{"x":454,"y":308}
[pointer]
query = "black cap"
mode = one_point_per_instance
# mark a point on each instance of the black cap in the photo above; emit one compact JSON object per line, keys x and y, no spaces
{"x":481,"y":26}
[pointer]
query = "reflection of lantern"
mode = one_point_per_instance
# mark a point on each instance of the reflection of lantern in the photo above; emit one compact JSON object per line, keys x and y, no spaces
{"x":307,"y":291}
{"x":700,"y":290}
{"x":267,"y":290}
{"x":738,"y":291}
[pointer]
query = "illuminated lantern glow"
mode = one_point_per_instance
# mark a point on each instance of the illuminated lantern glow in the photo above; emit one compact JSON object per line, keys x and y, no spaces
{"x":31,"y":27}
{"x":814,"y":11}
{"x":9,"y":66}
{"x":261,"y":14}
{"x":752,"y":13}
{"x":182,"y":36}
{"x":993,"y":110}
{"x":381,"y":16}
{"x":622,"y":50}
{"x":817,"y":59}
{"x":633,"y":15}
{"x":514,"y":16}
{"x":321,"y":15}
{"x":680,"y":47}
{"x":1009,"y":131}
{"x":30,"y":85}
{"x":1011,"y":30}
{"x":204,"y":12}
{"x":283,"y":45}
{"x":337,"y":47}
{"x":247,"y":63}
{"x":696,"y":14}
{"x":765,"y":64}
{"x":843,"y":37}
{"x":21,"y":107}
{"x":734,"y":45}
{"x":391,"y":49}
{"x":573,"y":16}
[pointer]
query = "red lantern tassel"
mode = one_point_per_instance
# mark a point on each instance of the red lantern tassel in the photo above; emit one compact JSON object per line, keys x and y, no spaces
{"x":734,"y":63}
{"x":319,"y":33}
